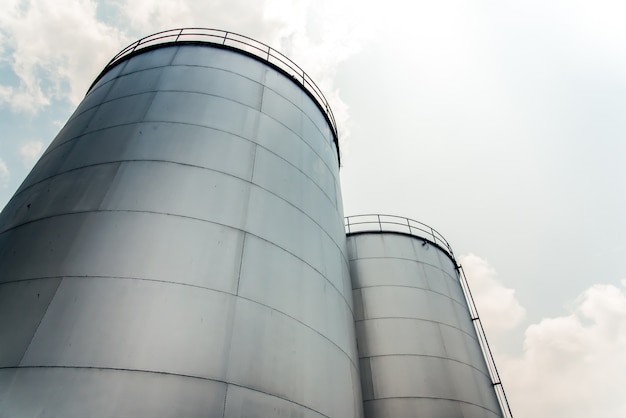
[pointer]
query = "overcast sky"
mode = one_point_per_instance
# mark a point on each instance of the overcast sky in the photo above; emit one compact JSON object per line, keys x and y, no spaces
{"x":500,"y":124}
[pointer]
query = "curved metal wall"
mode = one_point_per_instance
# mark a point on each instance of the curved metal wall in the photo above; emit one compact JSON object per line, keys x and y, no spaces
{"x":179,"y":251}
{"x":419,"y":353}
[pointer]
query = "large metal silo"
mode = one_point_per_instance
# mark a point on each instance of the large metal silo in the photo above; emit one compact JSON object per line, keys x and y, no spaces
{"x":419,"y":351}
{"x":179,"y":248}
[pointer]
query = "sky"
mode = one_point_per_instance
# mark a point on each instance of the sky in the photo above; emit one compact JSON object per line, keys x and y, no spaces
{"x":501,"y":124}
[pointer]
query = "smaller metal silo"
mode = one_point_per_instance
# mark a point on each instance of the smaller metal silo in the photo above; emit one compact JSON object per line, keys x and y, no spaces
{"x":421,"y":348}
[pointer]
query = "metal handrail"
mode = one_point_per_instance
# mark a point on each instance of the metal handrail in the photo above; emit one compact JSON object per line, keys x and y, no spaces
{"x":494,"y":375}
{"x":233,"y":40}
{"x":392,"y":223}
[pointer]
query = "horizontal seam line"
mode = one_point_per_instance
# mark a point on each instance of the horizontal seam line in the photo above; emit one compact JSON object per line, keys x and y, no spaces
{"x":76,"y":138}
{"x":195,"y":219}
{"x":454,"y":278}
{"x":161,"y":373}
{"x":154,"y":92}
{"x":435,"y":398}
{"x":119,"y":75}
{"x":197,"y":287}
{"x":430,"y":356}
{"x":417,"y":319}
{"x":130,"y":160}
{"x":185,"y":165}
{"x":415,"y":287}
{"x":405,"y":259}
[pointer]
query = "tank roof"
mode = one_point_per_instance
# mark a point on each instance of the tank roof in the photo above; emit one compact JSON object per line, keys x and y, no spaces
{"x":378,"y":223}
{"x":230,"y":40}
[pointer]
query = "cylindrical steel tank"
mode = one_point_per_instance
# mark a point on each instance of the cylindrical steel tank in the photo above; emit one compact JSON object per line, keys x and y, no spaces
{"x":179,"y":248}
{"x":419,"y":352}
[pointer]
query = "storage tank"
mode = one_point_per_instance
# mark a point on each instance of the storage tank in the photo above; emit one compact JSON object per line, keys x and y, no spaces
{"x":419,"y":352}
{"x":179,"y":249}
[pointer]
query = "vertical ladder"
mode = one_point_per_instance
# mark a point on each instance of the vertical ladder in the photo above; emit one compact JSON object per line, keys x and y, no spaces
{"x":484,"y":344}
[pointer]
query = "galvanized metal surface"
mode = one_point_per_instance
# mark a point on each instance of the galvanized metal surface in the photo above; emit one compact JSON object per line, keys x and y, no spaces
{"x":179,"y":251}
{"x":228,"y":39}
{"x":419,"y":353}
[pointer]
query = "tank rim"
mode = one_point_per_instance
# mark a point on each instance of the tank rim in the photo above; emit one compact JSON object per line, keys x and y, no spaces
{"x":237,"y":42}
{"x":400,"y":225}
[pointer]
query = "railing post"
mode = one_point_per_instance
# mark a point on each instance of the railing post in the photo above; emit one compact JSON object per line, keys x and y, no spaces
{"x":225,"y":36}
{"x":380,"y":225}
{"x":180,"y":32}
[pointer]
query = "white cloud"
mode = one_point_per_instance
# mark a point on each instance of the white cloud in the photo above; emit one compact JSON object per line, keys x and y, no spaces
{"x":4,"y":174}
{"x":574,"y":365}
{"x":6,"y":92}
{"x":243,"y":16}
{"x":69,"y":45}
{"x":57,"y":48}
{"x":320,"y":36}
{"x":498,"y":308}
{"x":59,"y":59}
{"x":317,"y":36}
{"x":30,"y":152}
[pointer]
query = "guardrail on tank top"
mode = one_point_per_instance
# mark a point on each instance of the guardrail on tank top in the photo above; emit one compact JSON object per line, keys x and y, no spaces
{"x":233,"y":40}
{"x":392,"y":223}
